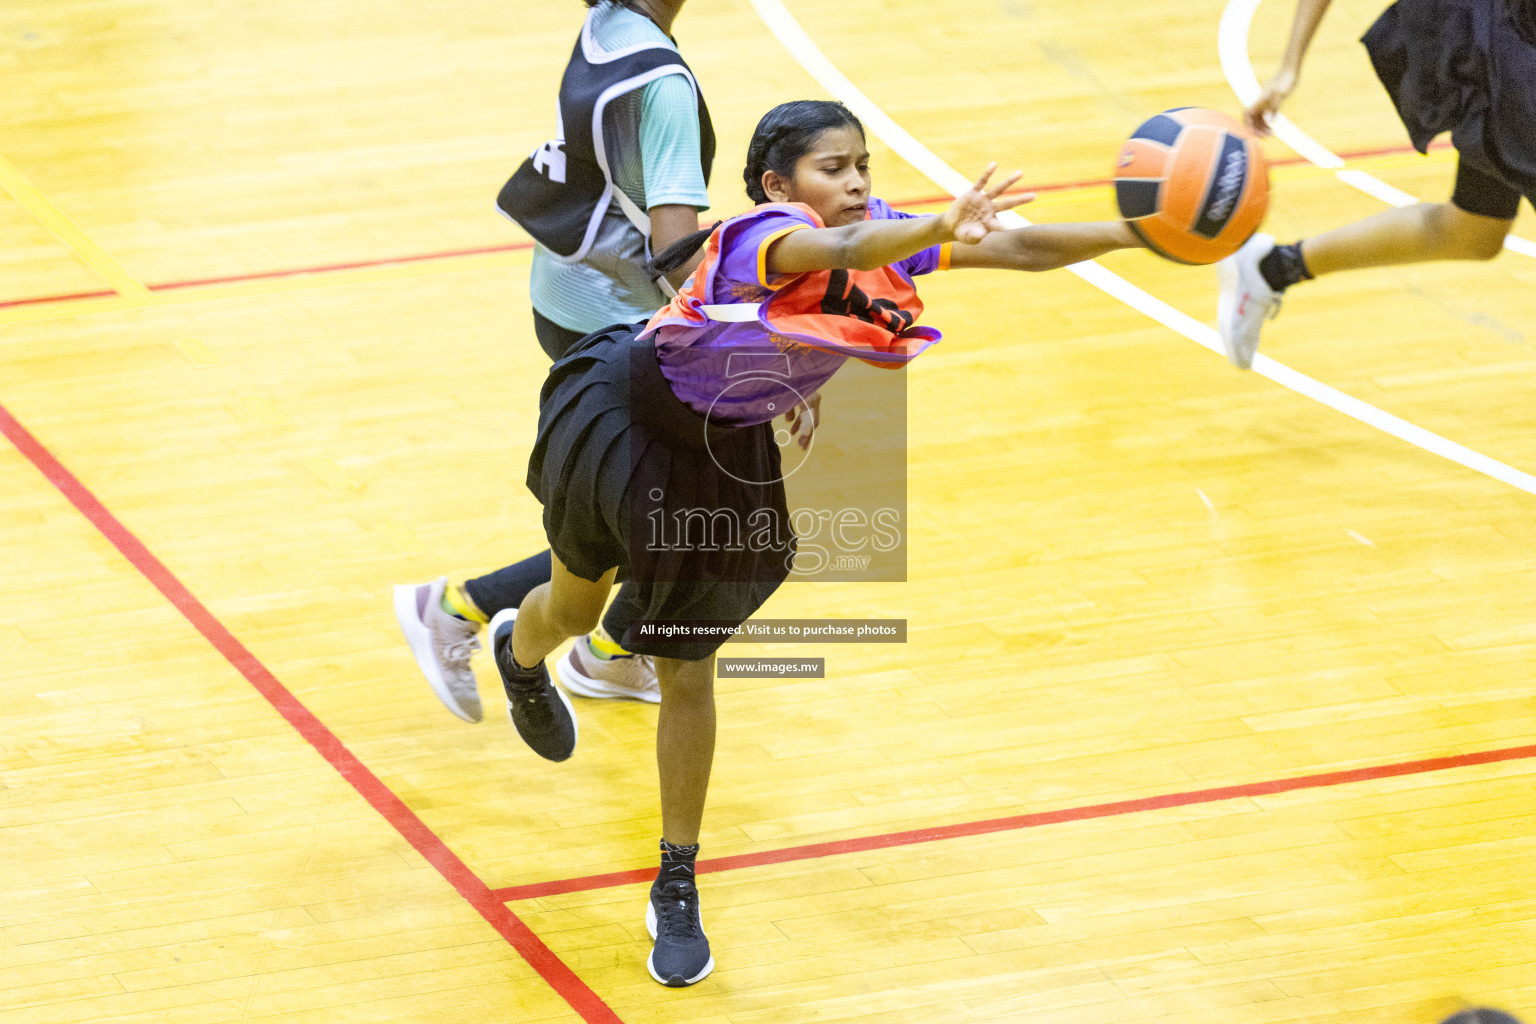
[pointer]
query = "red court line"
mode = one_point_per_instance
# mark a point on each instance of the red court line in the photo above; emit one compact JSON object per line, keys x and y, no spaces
{"x":368,"y":785}
{"x":329,"y":268}
{"x":271,"y":275}
{"x":816,"y":851}
{"x":57,"y":298}
{"x":491,"y":904}
{"x":1067,"y":186}
{"x":268,"y":275}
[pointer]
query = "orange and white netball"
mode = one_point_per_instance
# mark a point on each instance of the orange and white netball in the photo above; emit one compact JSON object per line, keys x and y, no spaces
{"x":1193,"y":184}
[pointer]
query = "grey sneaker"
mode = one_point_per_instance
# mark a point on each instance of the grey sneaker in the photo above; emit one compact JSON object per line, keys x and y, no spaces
{"x":632,"y":677}
{"x":1245,"y":301}
{"x":681,"y":955}
{"x":442,"y":644}
{"x":541,"y":713}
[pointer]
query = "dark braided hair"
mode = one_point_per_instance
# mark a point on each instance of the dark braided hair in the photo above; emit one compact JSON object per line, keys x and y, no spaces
{"x":783,"y":136}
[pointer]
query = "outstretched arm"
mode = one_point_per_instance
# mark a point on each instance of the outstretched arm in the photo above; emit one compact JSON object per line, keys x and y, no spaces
{"x":1045,"y":246}
{"x":870,"y":244}
{"x":1308,"y":14}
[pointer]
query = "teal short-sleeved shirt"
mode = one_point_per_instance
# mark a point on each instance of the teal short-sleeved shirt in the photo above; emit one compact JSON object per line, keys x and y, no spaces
{"x":657,"y":130}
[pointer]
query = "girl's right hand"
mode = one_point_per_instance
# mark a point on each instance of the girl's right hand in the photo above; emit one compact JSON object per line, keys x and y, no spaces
{"x":1263,"y":110}
{"x":973,"y":214}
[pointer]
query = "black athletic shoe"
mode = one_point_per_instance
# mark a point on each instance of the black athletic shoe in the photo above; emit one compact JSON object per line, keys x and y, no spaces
{"x":541,"y":712}
{"x":681,"y":953}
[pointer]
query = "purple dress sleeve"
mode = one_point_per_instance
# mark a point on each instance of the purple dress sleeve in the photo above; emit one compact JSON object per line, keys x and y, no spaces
{"x":920,"y":263}
{"x":743,"y":273}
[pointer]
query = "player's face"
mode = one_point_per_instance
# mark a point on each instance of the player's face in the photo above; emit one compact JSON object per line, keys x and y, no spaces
{"x":833,"y":178}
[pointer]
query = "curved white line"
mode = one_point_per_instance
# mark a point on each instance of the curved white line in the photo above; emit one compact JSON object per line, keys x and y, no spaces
{"x":1232,"y":47}
{"x":805,"y":51}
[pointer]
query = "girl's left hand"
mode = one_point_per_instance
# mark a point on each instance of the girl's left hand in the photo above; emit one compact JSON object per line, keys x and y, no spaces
{"x":802,"y":420}
{"x":973,"y":214}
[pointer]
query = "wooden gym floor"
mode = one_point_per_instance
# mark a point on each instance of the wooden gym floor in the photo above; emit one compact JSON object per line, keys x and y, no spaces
{"x":1216,"y":701}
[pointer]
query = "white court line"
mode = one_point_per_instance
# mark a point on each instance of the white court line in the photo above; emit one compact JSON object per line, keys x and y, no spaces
{"x":805,"y":51}
{"x":1232,"y":46}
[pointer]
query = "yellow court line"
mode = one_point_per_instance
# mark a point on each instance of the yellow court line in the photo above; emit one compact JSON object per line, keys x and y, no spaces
{"x":81,"y":244}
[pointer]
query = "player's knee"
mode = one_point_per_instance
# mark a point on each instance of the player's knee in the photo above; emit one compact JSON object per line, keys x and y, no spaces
{"x":1485,"y":247}
{"x":576,"y":620}
{"x":686,"y":680}
{"x":1469,"y":236}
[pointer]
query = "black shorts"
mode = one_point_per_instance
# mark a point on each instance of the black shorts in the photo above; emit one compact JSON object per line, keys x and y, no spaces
{"x":1483,"y":194}
{"x":619,"y":457}
{"x":555,"y":340}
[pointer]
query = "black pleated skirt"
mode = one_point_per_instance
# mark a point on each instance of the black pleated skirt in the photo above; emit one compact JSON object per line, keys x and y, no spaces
{"x":691,"y":512}
{"x":1463,"y":66}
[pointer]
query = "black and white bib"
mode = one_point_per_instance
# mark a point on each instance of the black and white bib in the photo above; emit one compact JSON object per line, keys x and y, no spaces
{"x":561,"y":192}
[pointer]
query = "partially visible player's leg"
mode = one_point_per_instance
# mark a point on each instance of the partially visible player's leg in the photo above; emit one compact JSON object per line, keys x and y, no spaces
{"x":553,"y":612}
{"x":1471,"y":226}
{"x":1421,"y":233}
{"x":685,"y":744}
{"x":442,"y":642}
{"x":685,"y":750}
{"x":598,"y":664}
{"x":521,"y":638}
{"x":440,"y":621}
{"x":505,"y":587}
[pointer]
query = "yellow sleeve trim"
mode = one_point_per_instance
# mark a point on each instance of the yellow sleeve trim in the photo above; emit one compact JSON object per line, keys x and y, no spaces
{"x":944,"y":251}
{"x":762,"y":254}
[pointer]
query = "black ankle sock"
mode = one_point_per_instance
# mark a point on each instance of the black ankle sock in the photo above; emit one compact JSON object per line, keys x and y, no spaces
{"x":676,"y":862}
{"x":1284,"y":266}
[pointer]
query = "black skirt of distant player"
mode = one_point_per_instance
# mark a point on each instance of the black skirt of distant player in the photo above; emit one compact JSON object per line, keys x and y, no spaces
{"x":1467,"y":67}
{"x":690,"y":511}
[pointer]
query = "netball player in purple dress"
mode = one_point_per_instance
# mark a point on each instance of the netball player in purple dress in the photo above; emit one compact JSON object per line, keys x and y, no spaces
{"x":640,"y":423}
